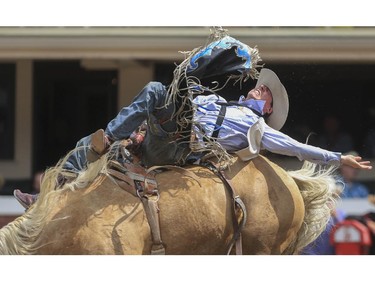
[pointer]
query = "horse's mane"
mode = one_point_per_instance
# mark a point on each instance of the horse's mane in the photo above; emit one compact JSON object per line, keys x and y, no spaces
{"x":21,"y":235}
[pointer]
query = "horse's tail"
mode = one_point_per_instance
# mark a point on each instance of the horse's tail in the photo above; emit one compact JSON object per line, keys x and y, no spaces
{"x":318,"y":189}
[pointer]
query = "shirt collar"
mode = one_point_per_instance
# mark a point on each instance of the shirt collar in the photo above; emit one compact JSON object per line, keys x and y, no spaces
{"x":257,"y":105}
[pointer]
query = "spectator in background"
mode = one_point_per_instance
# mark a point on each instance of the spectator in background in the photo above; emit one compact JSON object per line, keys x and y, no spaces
{"x":37,"y":180}
{"x":352,"y":187}
{"x":334,"y":138}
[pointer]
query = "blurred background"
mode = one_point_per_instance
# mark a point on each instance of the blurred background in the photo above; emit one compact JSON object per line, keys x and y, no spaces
{"x":59,"y":84}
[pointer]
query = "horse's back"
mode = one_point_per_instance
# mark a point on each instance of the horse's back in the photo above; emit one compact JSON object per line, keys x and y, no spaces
{"x":195,"y":215}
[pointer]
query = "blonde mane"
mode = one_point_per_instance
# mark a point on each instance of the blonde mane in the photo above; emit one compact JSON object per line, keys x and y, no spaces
{"x":21,"y":236}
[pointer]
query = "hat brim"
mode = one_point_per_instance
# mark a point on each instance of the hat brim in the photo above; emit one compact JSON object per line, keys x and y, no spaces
{"x":279,"y":96}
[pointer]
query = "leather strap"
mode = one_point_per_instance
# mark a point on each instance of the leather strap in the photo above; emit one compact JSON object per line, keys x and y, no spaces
{"x":237,"y":205}
{"x":131,"y":180}
{"x":178,"y":169}
{"x":123,"y":181}
{"x":152,"y":214}
{"x":132,"y":185}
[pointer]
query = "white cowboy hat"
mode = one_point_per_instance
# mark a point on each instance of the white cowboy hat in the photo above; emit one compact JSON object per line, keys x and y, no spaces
{"x":279,"y":95}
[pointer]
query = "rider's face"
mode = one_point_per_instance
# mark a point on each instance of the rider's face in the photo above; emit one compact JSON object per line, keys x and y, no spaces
{"x":262,"y":93}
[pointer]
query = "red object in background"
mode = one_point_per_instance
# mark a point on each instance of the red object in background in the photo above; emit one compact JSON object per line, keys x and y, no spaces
{"x":351,"y":237}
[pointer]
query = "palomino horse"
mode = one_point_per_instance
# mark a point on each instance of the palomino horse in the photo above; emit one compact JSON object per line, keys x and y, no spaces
{"x":92,"y":215}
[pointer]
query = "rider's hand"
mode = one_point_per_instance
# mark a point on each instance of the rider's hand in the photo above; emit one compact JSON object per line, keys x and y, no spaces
{"x":355,"y":162}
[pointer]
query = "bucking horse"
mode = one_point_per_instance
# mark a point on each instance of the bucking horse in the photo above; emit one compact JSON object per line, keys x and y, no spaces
{"x":122,"y":208}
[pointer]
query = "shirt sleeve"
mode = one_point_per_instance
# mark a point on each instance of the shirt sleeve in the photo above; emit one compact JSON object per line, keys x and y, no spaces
{"x":279,"y":143}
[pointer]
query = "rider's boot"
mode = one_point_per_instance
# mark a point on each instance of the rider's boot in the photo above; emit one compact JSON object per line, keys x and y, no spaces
{"x":25,"y":199}
{"x":99,"y":145}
